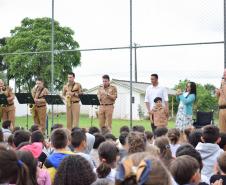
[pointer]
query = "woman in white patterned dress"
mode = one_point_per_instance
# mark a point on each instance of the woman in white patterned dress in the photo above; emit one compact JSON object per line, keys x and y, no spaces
{"x":186,"y":99}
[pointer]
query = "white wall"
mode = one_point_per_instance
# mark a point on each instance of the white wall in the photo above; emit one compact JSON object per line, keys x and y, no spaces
{"x":143,"y":106}
{"x":121,"y":111}
{"x":21,"y":109}
{"x":135,"y":106}
{"x":122,"y":105}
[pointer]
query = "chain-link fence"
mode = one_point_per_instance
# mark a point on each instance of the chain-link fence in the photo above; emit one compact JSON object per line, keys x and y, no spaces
{"x":178,"y":40}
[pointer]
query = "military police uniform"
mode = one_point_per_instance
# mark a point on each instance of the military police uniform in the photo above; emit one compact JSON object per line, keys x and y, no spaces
{"x":107,"y":97}
{"x":222,"y":107}
{"x":72,"y":103}
{"x":40,"y":107}
{"x":8,"y":111}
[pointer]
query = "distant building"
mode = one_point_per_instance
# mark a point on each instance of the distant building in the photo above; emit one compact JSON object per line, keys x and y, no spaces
{"x":122,"y":105}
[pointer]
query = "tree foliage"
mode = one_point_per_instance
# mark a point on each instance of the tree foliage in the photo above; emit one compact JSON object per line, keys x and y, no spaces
{"x":3,"y":65}
{"x":34,"y":35}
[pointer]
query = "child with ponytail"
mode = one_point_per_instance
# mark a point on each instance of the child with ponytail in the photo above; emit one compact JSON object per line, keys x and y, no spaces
{"x":108,"y":153}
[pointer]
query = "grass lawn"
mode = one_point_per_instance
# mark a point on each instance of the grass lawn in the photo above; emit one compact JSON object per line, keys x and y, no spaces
{"x":85,"y":122}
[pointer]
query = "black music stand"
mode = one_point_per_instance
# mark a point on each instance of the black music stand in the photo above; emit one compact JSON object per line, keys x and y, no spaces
{"x":3,"y":100}
{"x":89,"y":99}
{"x":53,"y":100}
{"x":25,"y":98}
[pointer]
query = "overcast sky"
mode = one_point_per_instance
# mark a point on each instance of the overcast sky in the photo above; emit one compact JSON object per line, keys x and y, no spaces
{"x":105,"y":23}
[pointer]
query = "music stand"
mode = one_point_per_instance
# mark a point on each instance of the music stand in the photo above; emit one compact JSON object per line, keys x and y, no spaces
{"x":3,"y":100}
{"x":25,"y":98}
{"x":53,"y":100}
{"x":89,"y":99}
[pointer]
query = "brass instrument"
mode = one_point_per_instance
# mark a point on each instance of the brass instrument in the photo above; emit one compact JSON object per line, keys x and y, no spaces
{"x":32,"y":109}
{"x":68,"y":97}
{"x":2,"y":91}
{"x":68,"y":101}
{"x":32,"y":106}
{"x":179,"y":91}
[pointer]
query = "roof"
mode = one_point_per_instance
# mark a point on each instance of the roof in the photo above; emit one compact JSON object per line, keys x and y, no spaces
{"x":139,"y":87}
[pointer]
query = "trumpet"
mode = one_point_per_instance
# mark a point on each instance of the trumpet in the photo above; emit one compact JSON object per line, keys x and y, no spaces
{"x":179,"y":91}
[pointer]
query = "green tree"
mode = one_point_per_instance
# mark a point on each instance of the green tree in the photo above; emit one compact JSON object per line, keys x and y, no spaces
{"x":211,"y":88}
{"x":2,"y":64}
{"x":34,"y":35}
{"x":205,"y":100}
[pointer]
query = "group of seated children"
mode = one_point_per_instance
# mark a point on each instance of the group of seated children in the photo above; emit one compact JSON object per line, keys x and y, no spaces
{"x":96,"y":157}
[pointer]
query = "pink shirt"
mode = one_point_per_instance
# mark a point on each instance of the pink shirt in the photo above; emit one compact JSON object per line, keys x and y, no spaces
{"x":35,"y":148}
{"x":43,"y":177}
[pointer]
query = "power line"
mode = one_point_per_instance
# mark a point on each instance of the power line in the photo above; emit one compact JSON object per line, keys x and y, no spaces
{"x":114,"y":48}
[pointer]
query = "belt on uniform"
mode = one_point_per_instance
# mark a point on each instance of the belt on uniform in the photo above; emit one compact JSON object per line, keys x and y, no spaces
{"x":8,"y":105}
{"x":40,"y":106}
{"x":222,"y":106}
{"x":106,"y":104}
{"x":75,"y":102}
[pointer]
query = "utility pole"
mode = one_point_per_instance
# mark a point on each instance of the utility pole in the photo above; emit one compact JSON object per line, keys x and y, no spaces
{"x":131,"y":62}
{"x":52,"y":57}
{"x":135,"y":60}
{"x":224,"y":33}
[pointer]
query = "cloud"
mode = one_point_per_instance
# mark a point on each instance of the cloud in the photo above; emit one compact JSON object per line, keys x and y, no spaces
{"x":105,"y":23}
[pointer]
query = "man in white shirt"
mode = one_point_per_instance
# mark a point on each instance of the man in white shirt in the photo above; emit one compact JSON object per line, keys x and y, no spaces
{"x":152,"y":92}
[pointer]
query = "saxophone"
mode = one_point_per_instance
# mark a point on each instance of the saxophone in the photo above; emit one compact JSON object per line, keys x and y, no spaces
{"x":1,"y":92}
{"x":32,"y":109}
{"x":68,"y":97}
{"x":68,"y":101}
{"x":32,"y":106}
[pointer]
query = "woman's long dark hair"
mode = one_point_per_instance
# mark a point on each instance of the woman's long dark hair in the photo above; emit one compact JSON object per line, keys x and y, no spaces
{"x":193,"y":89}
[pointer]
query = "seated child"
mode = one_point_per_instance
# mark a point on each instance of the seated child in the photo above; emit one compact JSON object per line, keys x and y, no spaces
{"x":209,"y":149}
{"x":6,"y":129}
{"x":174,"y":136}
{"x":221,"y":169}
{"x":186,"y":170}
{"x":59,"y":142}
